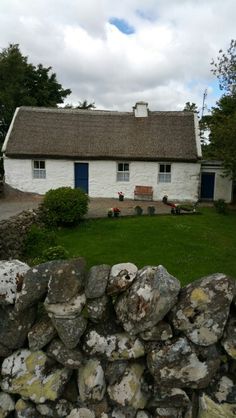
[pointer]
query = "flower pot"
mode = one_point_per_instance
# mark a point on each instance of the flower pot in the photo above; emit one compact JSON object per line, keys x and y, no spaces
{"x":121,"y":198}
{"x":116,"y":214}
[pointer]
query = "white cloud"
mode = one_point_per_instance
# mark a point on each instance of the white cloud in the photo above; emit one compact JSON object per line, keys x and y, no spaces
{"x":166,"y":61}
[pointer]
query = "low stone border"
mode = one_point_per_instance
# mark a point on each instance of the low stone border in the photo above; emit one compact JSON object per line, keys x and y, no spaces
{"x":115,"y":342}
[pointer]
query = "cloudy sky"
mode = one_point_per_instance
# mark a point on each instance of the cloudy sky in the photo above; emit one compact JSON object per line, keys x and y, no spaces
{"x":117,"y":52}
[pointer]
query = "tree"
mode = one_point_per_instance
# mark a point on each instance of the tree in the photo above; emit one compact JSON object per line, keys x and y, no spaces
{"x":222,"y":139}
{"x":190,"y":107}
{"x":86,"y":105}
{"x":82,"y":105}
{"x":225,"y":68}
{"x":222,"y":121}
{"x":23,"y":84}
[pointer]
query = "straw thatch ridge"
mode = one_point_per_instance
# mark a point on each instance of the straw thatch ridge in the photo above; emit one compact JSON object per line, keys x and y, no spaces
{"x":94,"y":134}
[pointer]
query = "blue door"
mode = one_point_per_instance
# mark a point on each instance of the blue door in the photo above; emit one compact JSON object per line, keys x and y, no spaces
{"x":81,"y":176}
{"x":207,"y":186}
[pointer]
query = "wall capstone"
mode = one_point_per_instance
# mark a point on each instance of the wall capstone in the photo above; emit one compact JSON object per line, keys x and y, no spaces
{"x":131,"y":345}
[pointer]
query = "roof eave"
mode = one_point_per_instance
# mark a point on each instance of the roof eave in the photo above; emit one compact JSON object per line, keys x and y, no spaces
{"x":100,"y":157}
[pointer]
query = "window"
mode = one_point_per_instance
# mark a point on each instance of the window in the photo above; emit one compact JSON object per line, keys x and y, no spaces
{"x":164,"y":175}
{"x":39,"y":170}
{"x":122,"y":172}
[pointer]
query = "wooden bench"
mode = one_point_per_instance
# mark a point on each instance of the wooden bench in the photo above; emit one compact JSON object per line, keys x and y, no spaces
{"x":143,"y":193}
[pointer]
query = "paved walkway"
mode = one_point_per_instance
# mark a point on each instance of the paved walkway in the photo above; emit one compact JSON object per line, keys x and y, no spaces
{"x":13,"y":204}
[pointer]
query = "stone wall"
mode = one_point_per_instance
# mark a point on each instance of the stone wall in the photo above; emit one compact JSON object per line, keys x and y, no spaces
{"x":12,"y":233}
{"x":115,"y":342}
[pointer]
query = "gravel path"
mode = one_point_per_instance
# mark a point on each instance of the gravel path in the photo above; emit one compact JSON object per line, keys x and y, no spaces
{"x":14,"y":203}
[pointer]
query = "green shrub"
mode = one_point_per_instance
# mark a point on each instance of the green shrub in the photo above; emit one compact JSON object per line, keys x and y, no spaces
{"x":64,"y":206}
{"x":151,"y":210}
{"x":37,"y":240}
{"x":138,"y":210}
{"x":220,"y":206}
{"x":55,"y":253}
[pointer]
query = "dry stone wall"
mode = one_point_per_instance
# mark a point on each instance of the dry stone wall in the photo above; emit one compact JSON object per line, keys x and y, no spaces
{"x":115,"y":342}
{"x":13,"y":232}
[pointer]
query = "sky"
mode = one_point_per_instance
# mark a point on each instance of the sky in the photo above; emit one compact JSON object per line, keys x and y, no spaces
{"x":118,"y":52}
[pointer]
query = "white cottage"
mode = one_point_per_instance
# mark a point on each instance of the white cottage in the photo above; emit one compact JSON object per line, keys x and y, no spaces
{"x":104,"y":152}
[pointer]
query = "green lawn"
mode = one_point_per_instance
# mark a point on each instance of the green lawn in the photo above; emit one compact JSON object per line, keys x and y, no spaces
{"x":189,"y":246}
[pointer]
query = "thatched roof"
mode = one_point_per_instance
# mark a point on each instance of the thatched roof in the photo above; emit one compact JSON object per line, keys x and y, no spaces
{"x":92,"y":134}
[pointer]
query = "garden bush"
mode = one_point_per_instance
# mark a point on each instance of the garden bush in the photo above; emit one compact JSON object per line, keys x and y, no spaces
{"x":64,"y":206}
{"x":55,"y":253}
{"x":220,"y":206}
{"x":37,"y":240}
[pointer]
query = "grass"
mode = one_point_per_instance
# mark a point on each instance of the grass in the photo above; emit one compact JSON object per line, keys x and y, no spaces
{"x":188,"y":246}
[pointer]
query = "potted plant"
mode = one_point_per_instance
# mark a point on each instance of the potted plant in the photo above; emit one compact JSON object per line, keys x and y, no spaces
{"x":110,"y":213}
{"x":116,"y":212}
{"x":138,"y":210}
{"x":121,"y":196}
{"x":151,"y":210}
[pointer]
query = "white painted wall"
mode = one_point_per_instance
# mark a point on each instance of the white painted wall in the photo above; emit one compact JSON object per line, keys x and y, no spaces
{"x":102,"y":178}
{"x":18,"y":173}
{"x":223,"y":185}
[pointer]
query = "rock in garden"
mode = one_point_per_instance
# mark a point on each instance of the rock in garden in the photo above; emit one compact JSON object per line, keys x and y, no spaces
{"x":69,"y":309}
{"x":113,"y":347}
{"x":128,"y":391}
{"x":35,"y":284}
{"x":81,"y":413}
{"x":41,"y":333}
{"x":203,"y":307}
{"x":97,"y":281}
{"x":26,"y":374}
{"x":70,"y":330}
{"x":91,"y":381}
{"x":72,"y":359}
{"x":175,"y":397}
{"x":223,"y":390}
{"x":66,"y":281}
{"x":148,"y":300}
{"x":121,"y":277}
{"x":169,"y":413}
{"x":160,"y":332}
{"x":229,"y":337}
{"x":4,"y":351}
{"x":177,"y":364}
{"x":25,"y":409}
{"x":58,"y":409}
{"x":14,"y":327}
{"x":115,"y":370}
{"x":98,"y":309}
{"x":11,"y":278}
{"x":143,"y":414}
{"x":123,"y":412}
{"x":7,"y":404}
{"x":210,"y":409}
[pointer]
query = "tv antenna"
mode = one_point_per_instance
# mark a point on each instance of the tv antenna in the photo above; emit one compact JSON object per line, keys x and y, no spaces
{"x":203,"y":102}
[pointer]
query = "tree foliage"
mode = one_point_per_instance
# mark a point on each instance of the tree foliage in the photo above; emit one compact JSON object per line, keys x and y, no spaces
{"x":224,"y":67}
{"x":190,"y":107}
{"x":221,"y":123}
{"x":23,"y":84}
{"x":84,"y":105}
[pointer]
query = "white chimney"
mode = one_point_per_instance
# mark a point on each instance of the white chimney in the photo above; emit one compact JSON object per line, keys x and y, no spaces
{"x":141,"y":110}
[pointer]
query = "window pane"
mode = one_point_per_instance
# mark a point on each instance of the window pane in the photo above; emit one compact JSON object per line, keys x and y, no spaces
{"x":168,"y":168}
{"x":120,"y":167}
{"x":164,"y":178}
{"x":162,"y":168}
{"x":36,"y":164}
{"x":42,"y":164}
{"x":126,"y":167}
